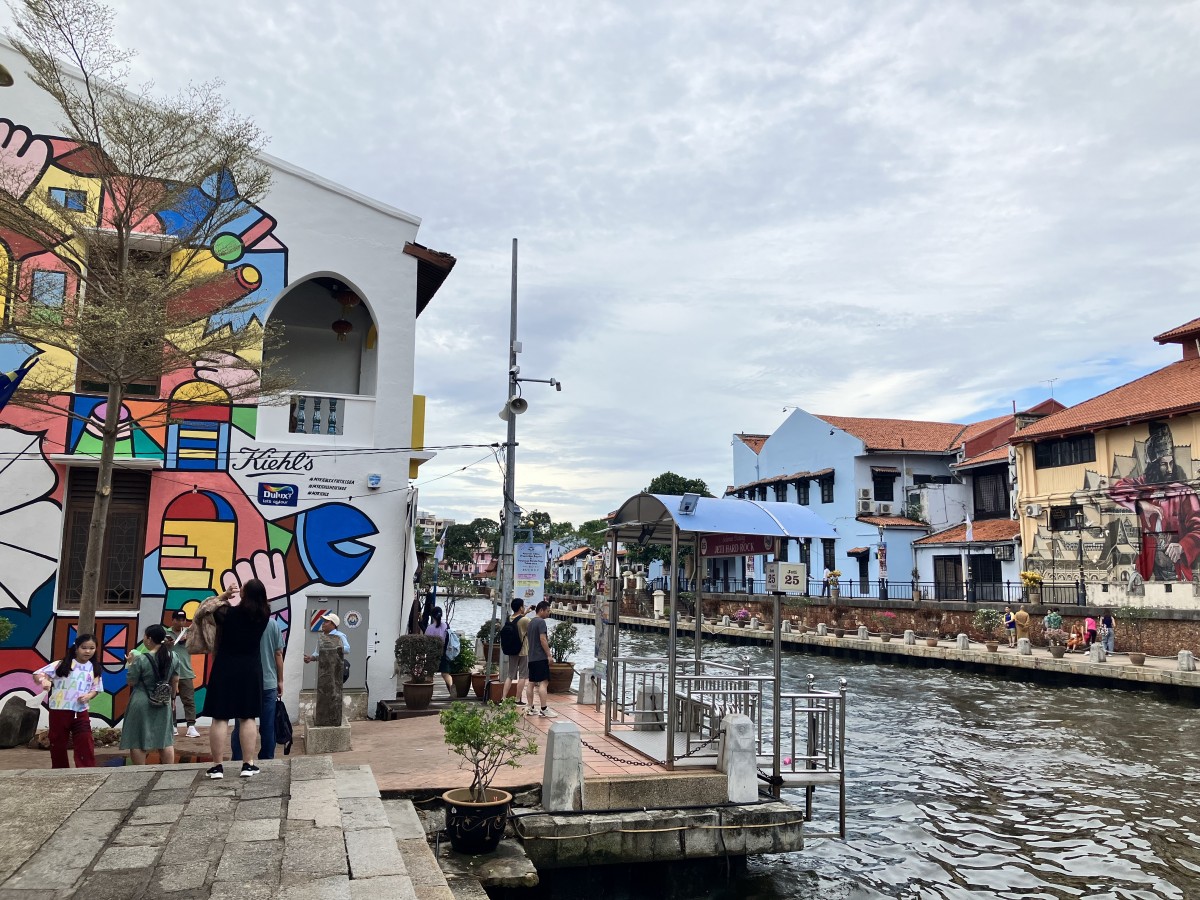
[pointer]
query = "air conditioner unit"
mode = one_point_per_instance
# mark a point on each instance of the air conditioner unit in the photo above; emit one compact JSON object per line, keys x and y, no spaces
{"x":864,"y":506}
{"x":885,"y":509}
{"x":1033,"y":510}
{"x":864,"y":494}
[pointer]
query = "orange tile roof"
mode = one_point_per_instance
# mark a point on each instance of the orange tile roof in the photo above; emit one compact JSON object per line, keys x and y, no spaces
{"x":776,"y":479}
{"x":1172,"y":390}
{"x":754,"y":441}
{"x":987,"y":531}
{"x":975,"y":429}
{"x":1182,"y":332}
{"x":891,"y":521}
{"x":996,"y":454}
{"x":899,"y":434}
{"x":571,"y":554}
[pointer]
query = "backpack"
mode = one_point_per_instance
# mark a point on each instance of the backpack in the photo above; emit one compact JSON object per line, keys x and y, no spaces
{"x":283,"y":727}
{"x":453,"y":645}
{"x":510,"y":638}
{"x":161,"y":694}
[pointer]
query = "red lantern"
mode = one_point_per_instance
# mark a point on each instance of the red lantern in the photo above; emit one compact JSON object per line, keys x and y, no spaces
{"x":342,"y":328}
{"x":346,"y":297}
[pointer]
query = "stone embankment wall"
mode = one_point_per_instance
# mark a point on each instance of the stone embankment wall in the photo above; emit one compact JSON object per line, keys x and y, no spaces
{"x":1164,"y":634}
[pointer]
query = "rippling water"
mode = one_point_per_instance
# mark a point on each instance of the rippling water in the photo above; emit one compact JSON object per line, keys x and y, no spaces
{"x":963,"y":786}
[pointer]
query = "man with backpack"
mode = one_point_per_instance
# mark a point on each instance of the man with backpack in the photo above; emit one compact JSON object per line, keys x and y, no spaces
{"x":514,"y":643}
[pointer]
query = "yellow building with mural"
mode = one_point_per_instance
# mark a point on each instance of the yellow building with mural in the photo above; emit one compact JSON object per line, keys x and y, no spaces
{"x":1109,"y":495}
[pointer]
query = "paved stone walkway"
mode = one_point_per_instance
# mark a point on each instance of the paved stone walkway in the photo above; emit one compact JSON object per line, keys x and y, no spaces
{"x":300,"y":829}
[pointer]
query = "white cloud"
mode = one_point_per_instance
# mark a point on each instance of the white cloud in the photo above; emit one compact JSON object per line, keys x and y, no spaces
{"x":887,"y":208}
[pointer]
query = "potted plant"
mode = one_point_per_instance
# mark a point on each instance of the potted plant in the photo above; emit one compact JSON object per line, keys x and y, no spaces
{"x":931,"y":616}
{"x":884,"y":622}
{"x":479,"y":678}
{"x":489,"y":635}
{"x":460,"y":669}
{"x":741,"y":617}
{"x":1031,"y":582}
{"x":835,"y":587}
{"x":418,"y":656}
{"x":837,"y":613}
{"x":1133,"y":618}
{"x":1057,"y":639}
{"x":563,"y":642}
{"x":988,"y":621}
{"x":486,"y":737}
{"x":916,"y":584}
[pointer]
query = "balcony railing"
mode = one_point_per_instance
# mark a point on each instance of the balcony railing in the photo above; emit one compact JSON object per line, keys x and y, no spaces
{"x":319,"y":417}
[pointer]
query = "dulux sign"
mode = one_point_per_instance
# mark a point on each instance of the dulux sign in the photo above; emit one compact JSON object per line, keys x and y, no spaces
{"x":272,"y":494}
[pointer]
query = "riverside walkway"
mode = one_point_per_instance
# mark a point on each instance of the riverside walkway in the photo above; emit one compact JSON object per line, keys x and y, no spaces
{"x":1157,"y":673}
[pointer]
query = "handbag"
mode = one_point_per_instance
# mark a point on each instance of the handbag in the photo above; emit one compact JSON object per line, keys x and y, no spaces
{"x":161,"y":695}
{"x":283,"y":727}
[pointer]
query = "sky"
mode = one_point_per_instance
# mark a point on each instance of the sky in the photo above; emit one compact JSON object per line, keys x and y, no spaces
{"x":923,"y":210}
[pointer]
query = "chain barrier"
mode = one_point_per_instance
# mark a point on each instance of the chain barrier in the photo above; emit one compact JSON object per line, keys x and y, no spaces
{"x":636,"y":762}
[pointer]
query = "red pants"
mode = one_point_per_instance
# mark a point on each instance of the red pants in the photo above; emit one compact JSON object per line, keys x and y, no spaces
{"x":64,"y":722}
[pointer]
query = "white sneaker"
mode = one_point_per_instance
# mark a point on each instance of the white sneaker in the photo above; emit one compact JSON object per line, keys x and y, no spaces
{"x":548,"y":713}
{"x":177,"y":727}
{"x":192,"y":732}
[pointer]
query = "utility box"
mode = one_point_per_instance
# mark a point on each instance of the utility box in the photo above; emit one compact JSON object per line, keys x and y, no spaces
{"x":354,"y":615}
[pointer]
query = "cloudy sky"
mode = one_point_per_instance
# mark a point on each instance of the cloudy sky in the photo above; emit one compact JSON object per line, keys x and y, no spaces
{"x":912,"y":209}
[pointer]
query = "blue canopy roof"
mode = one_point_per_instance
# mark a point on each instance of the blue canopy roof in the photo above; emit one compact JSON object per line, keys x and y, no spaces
{"x":650,"y":519}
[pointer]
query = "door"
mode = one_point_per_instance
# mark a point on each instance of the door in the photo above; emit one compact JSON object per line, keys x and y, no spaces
{"x":354,"y":613}
{"x":947,"y":577}
{"x":985,"y":575}
{"x":864,"y":582}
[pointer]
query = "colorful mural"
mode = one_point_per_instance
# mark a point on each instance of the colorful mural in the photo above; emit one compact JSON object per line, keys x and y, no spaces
{"x":204,"y":529}
{"x":1141,"y":522}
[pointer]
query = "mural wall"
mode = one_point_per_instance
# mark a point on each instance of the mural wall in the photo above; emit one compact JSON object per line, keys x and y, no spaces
{"x":1141,"y":515}
{"x":217,"y":512}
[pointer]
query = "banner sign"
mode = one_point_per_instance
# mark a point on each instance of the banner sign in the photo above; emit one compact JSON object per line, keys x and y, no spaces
{"x":529,"y":575}
{"x":736,"y":544}
{"x":787,"y":577}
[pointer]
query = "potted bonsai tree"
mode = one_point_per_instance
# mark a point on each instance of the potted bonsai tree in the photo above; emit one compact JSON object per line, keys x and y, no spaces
{"x":486,"y":737}
{"x":884,"y":623}
{"x":1133,"y":619}
{"x":417,"y":657}
{"x":988,"y":621}
{"x":1031,"y":583}
{"x":489,"y":635}
{"x":460,"y":669}
{"x":835,"y":586}
{"x":931,"y":616}
{"x":563,"y":642}
{"x":916,"y":584}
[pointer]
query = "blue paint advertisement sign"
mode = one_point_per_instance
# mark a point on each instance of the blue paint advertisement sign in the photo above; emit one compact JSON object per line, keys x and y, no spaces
{"x":273,"y":494}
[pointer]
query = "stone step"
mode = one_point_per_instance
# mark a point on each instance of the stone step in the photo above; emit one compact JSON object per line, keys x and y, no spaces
{"x":427,"y":878}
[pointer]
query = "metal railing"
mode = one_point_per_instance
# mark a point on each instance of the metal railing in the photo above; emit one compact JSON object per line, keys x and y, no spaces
{"x":1063,"y":593}
{"x":813,"y":725}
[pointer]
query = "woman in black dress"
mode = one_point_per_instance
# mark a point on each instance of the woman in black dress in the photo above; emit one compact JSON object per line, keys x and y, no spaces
{"x":234,"y":689}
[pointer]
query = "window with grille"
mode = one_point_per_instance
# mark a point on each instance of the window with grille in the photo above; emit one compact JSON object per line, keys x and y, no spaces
{"x":781,"y":492}
{"x":124,"y":539}
{"x":828,"y":545}
{"x":1065,"y":452}
{"x":827,"y":489}
{"x":885,"y":486}
{"x":990,"y":494}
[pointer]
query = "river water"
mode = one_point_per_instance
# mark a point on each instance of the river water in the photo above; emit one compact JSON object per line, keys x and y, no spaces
{"x":966,"y":786}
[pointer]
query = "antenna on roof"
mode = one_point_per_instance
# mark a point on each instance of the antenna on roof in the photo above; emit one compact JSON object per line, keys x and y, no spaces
{"x":1050,"y":381}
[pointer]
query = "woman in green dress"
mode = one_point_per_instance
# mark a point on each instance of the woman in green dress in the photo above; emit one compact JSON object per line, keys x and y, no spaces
{"x":146,"y":726}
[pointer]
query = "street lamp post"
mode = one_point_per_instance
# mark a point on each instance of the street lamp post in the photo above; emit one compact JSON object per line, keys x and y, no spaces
{"x":1080,"y":589}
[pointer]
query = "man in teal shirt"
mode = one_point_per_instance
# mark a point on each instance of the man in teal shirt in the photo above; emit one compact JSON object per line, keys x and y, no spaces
{"x":183,"y":660}
{"x":270,"y":649}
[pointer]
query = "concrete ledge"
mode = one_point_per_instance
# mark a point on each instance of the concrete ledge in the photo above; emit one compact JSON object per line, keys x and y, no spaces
{"x":592,"y":839}
{"x":637,"y":791}
{"x":321,"y":739}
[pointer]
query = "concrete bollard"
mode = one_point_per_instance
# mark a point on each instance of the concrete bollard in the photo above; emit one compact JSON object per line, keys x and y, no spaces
{"x":737,"y":759}
{"x":1187,"y":661}
{"x":962,"y":642}
{"x":910,"y":638}
{"x":786,"y":627}
{"x":648,"y":710}
{"x":589,"y":687}
{"x":562,"y":774}
{"x":725,"y":621}
{"x":1024,"y":647}
{"x":1096,"y":653}
{"x":864,"y":633}
{"x":659,"y":604}
{"x":822,"y":629}
{"x":754,"y":621}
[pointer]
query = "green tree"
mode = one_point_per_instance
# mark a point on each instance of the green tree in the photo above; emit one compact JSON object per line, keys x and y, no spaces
{"x":592,"y":533}
{"x":461,"y":541}
{"x":675,"y":485}
{"x":141,"y":310}
{"x":539,"y":523}
{"x":563,"y":532}
{"x":487,"y":532}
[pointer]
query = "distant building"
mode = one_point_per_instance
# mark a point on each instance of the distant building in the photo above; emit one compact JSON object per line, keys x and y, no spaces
{"x":1110,"y":485}
{"x":431,"y":526}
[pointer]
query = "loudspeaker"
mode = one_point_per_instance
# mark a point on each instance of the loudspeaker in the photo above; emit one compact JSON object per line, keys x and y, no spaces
{"x":515,"y":405}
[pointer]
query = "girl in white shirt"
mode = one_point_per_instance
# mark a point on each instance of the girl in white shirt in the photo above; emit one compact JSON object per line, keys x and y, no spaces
{"x":72,"y":682}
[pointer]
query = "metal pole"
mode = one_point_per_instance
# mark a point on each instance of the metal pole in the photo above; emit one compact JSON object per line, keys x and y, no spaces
{"x":613,"y":637}
{"x":507,"y":561}
{"x":777,"y":712}
{"x":669,"y":700}
{"x":697,"y":585}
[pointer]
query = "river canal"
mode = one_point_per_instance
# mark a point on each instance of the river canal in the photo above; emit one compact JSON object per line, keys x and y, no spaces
{"x":964,"y":786}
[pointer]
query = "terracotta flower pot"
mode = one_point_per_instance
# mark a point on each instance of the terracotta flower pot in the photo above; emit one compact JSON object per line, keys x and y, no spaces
{"x":462,"y":683}
{"x":931,"y":642}
{"x":1138,"y":659}
{"x":561,"y":676}
{"x":1057,"y":651}
{"x":418,"y":694}
{"x":992,"y":646}
{"x":477,"y":682}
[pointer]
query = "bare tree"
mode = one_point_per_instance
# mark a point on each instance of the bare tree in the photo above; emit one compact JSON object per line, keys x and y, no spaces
{"x":160,"y":181}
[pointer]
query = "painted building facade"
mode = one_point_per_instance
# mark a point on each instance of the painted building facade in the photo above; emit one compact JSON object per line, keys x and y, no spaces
{"x":311,"y":495}
{"x":1109,"y":488}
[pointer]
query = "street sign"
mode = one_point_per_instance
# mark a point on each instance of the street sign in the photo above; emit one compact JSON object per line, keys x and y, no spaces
{"x":736,"y":544}
{"x":786,"y":577}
